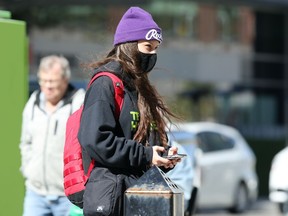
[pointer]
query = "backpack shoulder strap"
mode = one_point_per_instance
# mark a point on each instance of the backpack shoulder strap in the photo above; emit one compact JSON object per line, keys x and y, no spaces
{"x":118,"y":89}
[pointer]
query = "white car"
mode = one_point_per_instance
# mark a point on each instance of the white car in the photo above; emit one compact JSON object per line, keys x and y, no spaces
{"x":278,"y":180}
{"x":228,"y":174}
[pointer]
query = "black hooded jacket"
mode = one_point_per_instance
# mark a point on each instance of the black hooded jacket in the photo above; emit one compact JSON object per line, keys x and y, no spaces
{"x":104,"y":137}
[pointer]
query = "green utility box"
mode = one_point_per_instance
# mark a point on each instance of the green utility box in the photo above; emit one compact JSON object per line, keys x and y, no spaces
{"x":13,"y":95}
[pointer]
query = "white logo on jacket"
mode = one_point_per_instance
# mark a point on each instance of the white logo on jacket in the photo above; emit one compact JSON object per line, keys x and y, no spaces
{"x":100,"y":209}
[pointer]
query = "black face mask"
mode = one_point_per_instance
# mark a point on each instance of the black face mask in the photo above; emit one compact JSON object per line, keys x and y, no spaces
{"x":147,"y":61}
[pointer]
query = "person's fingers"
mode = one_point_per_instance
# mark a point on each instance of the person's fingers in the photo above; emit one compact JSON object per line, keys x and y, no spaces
{"x":173,"y":150}
{"x":156,"y":159}
{"x":160,"y":161}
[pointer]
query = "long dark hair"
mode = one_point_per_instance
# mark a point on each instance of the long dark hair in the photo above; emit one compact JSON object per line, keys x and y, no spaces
{"x":153,"y":110}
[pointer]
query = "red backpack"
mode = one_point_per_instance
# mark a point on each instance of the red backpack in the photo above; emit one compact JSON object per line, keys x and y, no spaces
{"x":75,"y":175}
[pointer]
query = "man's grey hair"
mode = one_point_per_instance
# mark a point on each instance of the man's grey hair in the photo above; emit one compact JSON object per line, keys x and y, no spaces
{"x":48,"y":61}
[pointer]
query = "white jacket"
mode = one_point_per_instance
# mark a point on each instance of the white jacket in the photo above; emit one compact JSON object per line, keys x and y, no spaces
{"x":42,"y":142}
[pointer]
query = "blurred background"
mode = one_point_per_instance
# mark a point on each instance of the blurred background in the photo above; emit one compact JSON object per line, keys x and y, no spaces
{"x":221,"y":60}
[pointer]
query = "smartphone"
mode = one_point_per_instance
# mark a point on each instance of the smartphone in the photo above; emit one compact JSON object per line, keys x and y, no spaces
{"x":176,"y":156}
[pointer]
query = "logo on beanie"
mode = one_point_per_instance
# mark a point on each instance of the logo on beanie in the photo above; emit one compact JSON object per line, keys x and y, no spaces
{"x":153,"y":34}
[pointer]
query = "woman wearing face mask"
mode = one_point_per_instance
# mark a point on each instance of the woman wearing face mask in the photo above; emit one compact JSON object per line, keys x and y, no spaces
{"x":124,"y":147}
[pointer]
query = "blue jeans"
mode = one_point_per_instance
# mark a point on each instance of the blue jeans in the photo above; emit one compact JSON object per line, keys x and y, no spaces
{"x":38,"y":205}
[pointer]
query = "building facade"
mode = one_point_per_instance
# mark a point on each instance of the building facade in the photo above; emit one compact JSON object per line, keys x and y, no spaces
{"x":228,"y":58}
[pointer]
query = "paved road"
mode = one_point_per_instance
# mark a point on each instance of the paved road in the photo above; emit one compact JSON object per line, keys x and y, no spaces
{"x":261,"y":208}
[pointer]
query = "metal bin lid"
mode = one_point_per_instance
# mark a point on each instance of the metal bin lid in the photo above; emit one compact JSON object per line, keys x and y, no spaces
{"x":154,"y":181}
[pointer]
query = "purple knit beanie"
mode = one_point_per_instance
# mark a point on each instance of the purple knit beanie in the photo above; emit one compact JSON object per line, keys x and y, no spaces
{"x":137,"y":24}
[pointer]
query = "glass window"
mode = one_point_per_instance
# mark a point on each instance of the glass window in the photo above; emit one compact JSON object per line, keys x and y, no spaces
{"x":212,"y":141}
{"x":228,"y":18}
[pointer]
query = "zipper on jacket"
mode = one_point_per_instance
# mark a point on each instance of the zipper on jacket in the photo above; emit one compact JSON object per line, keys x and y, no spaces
{"x":56,"y":125}
{"x":44,"y":156}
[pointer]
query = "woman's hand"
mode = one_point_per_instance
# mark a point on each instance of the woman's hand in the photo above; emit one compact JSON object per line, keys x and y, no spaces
{"x":160,"y":161}
{"x":172,"y":151}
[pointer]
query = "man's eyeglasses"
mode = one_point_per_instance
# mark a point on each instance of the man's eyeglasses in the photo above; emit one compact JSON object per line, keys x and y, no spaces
{"x":52,"y":83}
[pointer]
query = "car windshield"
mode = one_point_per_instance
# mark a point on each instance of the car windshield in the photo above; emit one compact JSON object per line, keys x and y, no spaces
{"x":185,"y":139}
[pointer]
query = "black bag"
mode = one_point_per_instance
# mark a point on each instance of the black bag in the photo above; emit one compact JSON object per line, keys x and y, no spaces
{"x":104,"y":193}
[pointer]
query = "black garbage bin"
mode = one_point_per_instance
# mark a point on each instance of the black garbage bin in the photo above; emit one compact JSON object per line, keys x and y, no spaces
{"x":155,"y":194}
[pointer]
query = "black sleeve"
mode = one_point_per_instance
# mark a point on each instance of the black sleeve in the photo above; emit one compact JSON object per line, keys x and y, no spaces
{"x":98,"y":128}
